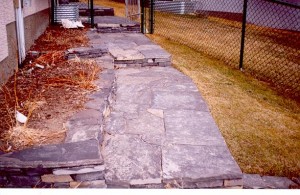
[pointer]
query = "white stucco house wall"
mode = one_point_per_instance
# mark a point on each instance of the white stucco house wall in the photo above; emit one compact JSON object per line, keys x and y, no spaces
{"x":25,"y":19}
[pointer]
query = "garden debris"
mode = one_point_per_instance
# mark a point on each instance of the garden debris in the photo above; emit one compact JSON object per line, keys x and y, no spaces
{"x":46,"y":98}
{"x":21,"y":137}
{"x":21,"y":117}
{"x":71,"y":24}
{"x":40,"y":66}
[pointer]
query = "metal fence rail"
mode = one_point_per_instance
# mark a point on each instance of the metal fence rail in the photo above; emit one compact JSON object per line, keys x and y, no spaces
{"x":262,"y":37}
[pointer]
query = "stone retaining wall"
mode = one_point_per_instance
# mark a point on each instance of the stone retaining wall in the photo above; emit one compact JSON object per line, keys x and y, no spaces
{"x":77,"y":163}
{"x":100,"y":51}
{"x":118,"y":28}
{"x":57,"y":177}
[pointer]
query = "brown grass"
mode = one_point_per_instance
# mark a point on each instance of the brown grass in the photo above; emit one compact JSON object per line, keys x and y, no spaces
{"x":21,"y":137}
{"x":270,"y":55}
{"x":261,"y":128}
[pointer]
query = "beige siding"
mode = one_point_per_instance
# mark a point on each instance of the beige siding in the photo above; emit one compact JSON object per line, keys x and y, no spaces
{"x":35,"y":6}
{"x":6,"y":16}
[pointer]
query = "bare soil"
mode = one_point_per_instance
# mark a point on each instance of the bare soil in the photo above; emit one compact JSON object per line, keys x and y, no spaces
{"x":47,"y":96}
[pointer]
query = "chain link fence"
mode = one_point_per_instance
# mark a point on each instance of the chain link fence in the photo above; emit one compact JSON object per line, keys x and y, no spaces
{"x":271,"y":35}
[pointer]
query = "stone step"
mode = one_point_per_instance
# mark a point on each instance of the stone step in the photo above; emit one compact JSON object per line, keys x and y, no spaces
{"x":130,"y":49}
{"x":113,"y":24}
{"x":86,"y":52}
{"x":118,"y":28}
{"x":98,"y":10}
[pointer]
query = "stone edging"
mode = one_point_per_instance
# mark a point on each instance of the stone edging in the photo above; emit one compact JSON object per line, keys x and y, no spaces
{"x":77,"y":162}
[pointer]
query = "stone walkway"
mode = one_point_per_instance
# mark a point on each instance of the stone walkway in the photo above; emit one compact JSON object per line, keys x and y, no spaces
{"x":158,"y":131}
{"x":161,"y":132}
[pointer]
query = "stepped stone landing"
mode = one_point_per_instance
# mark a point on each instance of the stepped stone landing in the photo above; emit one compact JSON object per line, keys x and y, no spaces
{"x":114,"y":24}
{"x":158,"y":131}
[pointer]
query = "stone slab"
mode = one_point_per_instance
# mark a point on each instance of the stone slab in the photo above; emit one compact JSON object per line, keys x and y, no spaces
{"x":88,"y":184}
{"x":156,"y":112}
{"x":115,"y":123}
{"x":198,"y":163}
{"x":192,"y":127}
{"x":105,"y":62}
{"x":78,"y":133}
{"x":131,"y":161}
{"x":89,"y":176}
{"x":62,"y":185}
{"x":100,"y":25}
{"x":96,"y":104}
{"x":177,"y":100}
{"x":24,"y":181}
{"x":133,"y":94}
{"x":66,"y":152}
{"x":233,"y":182}
{"x":56,"y":178}
{"x":79,"y":170}
{"x":157,"y":53}
{"x":278,"y":182}
{"x":146,"y":123}
{"x":203,"y":184}
{"x":131,"y":81}
{"x":113,"y":20}
{"x":253,"y":181}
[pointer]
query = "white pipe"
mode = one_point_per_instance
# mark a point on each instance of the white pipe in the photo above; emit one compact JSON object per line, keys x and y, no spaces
{"x":20,"y":32}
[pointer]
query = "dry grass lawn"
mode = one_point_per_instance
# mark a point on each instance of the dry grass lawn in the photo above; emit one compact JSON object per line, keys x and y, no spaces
{"x":261,"y":128}
{"x":270,"y":55}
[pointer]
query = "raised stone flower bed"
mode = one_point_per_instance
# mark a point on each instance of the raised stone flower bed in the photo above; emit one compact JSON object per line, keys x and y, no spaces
{"x":76,"y":163}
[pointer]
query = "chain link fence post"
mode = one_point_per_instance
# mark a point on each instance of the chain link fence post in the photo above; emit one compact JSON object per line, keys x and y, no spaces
{"x":243,"y":34}
{"x":143,"y":16}
{"x":151,"y":16}
{"x":92,"y":13}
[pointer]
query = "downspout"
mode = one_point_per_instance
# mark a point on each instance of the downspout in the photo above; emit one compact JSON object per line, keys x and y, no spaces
{"x":20,"y":31}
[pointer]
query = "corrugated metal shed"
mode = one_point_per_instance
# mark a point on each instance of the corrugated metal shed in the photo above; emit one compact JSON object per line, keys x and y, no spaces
{"x":66,"y":11}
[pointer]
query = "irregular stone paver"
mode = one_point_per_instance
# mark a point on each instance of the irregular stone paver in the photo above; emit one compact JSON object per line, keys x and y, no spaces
{"x":178,"y":100}
{"x":89,"y":184}
{"x":79,"y":170}
{"x":130,"y":160}
{"x":254,"y":181}
{"x":278,"y":182}
{"x":146,"y":123}
{"x":197,"y":128}
{"x":65,"y":154}
{"x":198,"y":163}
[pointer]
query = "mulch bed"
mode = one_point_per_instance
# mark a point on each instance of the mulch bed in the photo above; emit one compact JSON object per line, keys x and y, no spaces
{"x":48,"y":89}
